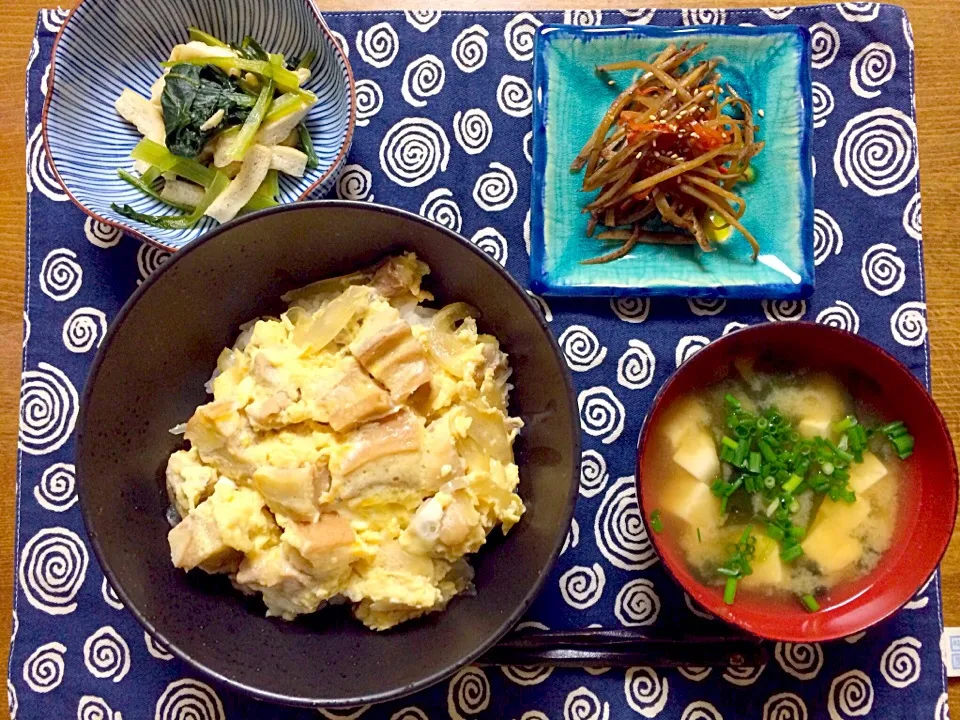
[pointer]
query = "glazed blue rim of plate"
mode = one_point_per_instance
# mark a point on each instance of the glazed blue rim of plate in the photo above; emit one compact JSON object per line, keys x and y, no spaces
{"x":539,"y":281}
{"x":332,"y":171}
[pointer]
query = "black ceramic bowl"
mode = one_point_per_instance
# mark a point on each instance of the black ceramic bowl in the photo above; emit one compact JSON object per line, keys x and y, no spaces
{"x":149,"y":375}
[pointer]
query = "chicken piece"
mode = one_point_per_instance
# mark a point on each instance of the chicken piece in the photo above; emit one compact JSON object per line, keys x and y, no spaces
{"x":210,"y":426}
{"x":196,"y":541}
{"x":400,"y":433}
{"x":386,"y":347}
{"x":287,"y":589}
{"x":265,"y":414}
{"x":189,"y":481}
{"x":398,"y":278}
{"x":344,"y":396}
{"x":445,"y":526}
{"x":326,"y":544}
{"x":227,"y":204}
{"x":288,"y":160}
{"x":290,"y":491}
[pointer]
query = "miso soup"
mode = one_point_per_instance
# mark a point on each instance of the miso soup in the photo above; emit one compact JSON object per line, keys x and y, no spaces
{"x":776,"y":483}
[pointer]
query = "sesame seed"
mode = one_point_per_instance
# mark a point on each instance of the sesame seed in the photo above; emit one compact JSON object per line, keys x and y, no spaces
{"x":709,"y":93}
{"x":760,"y":112}
{"x":663,"y":113}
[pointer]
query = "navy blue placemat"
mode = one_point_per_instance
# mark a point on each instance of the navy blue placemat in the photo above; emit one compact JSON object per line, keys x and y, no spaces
{"x":443,"y":129}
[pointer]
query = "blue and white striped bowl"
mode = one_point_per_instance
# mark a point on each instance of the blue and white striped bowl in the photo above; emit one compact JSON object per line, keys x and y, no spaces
{"x":107,"y":45}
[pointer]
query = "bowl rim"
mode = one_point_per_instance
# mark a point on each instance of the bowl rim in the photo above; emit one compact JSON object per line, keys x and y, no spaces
{"x":335,"y":167}
{"x":868,"y":346}
{"x":506,"y":625}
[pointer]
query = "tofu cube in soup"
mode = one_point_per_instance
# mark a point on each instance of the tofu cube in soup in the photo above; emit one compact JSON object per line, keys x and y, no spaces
{"x":697,"y":454}
{"x":865,"y":475}
{"x":690,"y":500}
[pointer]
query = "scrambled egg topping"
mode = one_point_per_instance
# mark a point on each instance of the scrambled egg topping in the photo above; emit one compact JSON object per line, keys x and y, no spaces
{"x":356,"y":449}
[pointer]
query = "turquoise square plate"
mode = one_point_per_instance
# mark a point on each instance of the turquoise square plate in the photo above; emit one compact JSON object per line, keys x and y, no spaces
{"x":770,"y":67}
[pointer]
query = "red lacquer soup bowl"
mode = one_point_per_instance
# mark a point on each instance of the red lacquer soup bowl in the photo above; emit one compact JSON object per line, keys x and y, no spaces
{"x":927,"y":499}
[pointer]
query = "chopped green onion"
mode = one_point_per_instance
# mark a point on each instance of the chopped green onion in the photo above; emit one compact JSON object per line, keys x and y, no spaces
{"x":754,"y":462}
{"x":773,"y":506}
{"x":890,"y":427}
{"x":827,"y":468}
{"x":732,"y":401}
{"x":769,"y":482}
{"x":848,"y":422}
{"x":791,"y":553}
{"x":206,"y":38}
{"x":730,"y":442}
{"x":250,"y":126}
{"x":655,"y":522}
{"x":796,"y":532}
{"x":723,"y":504}
{"x":730,"y":590}
{"x":766,"y":450}
{"x":790,"y":485}
{"x":903,"y":445}
{"x":699,"y":539}
{"x":810,"y":602}
{"x":306,"y":144}
{"x":775,"y":531}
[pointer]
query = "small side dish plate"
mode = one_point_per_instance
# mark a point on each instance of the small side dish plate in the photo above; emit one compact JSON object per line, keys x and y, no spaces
{"x":770,"y":68}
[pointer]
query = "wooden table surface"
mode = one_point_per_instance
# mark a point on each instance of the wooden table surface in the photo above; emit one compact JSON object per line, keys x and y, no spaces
{"x":936,"y":25}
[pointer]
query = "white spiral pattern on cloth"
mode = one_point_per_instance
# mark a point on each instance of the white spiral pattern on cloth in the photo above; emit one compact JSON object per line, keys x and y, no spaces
{"x":492,"y":243}
{"x":706,"y":307}
{"x":39,"y":173}
{"x":876,"y":151}
{"x":695,"y":673}
{"x":519,"y":34}
{"x":45,"y":81}
{"x":859,"y":11}
{"x":703,"y":16}
{"x":827,"y":236}
{"x":473,"y":130}
{"x":53,"y":566}
{"x":110,"y":596}
{"x":355,"y":183}
{"x":784,"y":706}
{"x":542,"y":305}
{"x":646,"y":692}
{"x":850,"y":695}
{"x":642,"y":16}
{"x":422,"y":20}
{"x":378,"y":46}
{"x":701,"y":710}
{"x":942,"y":711}
{"x":350,"y":713}
{"x":409,"y":713}
{"x":155,"y":648}
{"x":777,"y":13}
{"x":413,"y":151}
{"x":527,"y":146}
{"x":440,"y":207}
{"x":824,"y":45}
{"x":581,"y":348}
{"x":341,"y":41}
{"x":496,"y":189}
{"x":585,"y":18}
{"x":583,"y":704}
{"x":12,"y":703}
{"x":920,"y":600}
{"x":619,"y":530}
{"x":596,"y":670}
{"x":422,"y":79}
{"x":15,"y":626}
{"x":101,"y":234}
{"x":900,"y":662}
{"x":469,"y":49}
{"x":637,"y":604}
{"x":526,"y":232}
{"x":369,"y":101}
{"x":581,"y":586}
{"x":872,"y":68}
{"x":43,"y":669}
{"x":48,"y":410}
{"x":882,"y":271}
{"x":908,"y":324}
{"x":84,"y":329}
{"x":468,"y":693}
{"x":26,"y":328}
{"x":784,"y":310}
{"x":801,"y":660}
{"x":526,"y":675}
{"x":693,"y":607}
{"x":913,"y":219}
{"x":855,"y":638}
{"x":840,"y":315}
{"x":34,"y":51}
{"x":688,"y":346}
{"x":631,"y":310}
{"x":601,"y":414}
{"x":907,"y":31}
{"x":823,"y":104}
{"x":106,"y":654}
{"x":60,"y":274}
{"x":53,"y":19}
{"x":636,"y":367}
{"x":732,"y":326}
{"x":57,"y":490}
{"x":514,"y":96}
{"x":92,"y":707}
{"x":593,"y":473}
{"x":573,"y":536}
{"x":743,"y":676}
{"x":189,"y":699}
{"x":149,"y":259}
